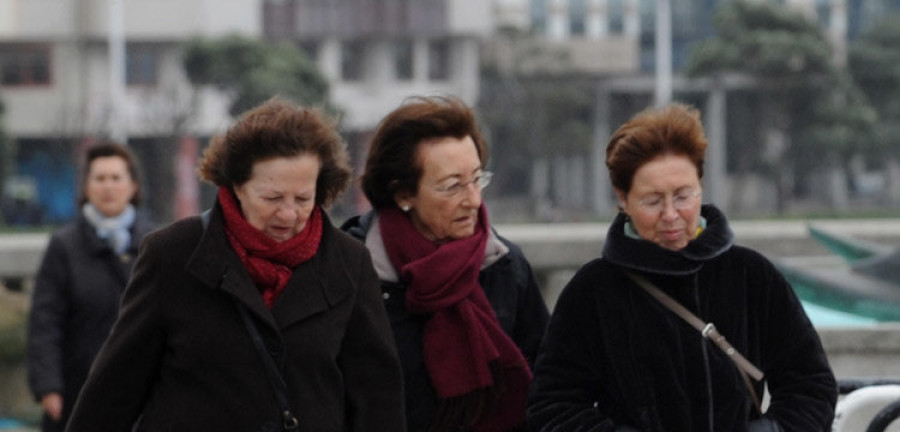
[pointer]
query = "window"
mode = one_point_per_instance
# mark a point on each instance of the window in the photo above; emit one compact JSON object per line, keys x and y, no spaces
{"x":352,"y":60}
{"x":141,"y":64}
{"x":403,"y":59}
{"x":438,"y":60}
{"x":24,"y":64}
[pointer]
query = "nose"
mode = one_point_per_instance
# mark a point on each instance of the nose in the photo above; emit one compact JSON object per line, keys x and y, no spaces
{"x":669,"y":212}
{"x":287,"y":212}
{"x":472,"y":195}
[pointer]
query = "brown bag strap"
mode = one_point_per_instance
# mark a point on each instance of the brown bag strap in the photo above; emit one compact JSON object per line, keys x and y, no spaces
{"x":708,"y":330}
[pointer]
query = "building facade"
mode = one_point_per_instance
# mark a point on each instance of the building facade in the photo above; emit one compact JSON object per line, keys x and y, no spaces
{"x":60,"y":95}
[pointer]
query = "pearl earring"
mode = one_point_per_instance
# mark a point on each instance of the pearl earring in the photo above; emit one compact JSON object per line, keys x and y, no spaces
{"x":405,"y":208}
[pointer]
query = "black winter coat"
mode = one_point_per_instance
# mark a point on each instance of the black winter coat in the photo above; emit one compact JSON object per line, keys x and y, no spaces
{"x":614,"y":357}
{"x":179,"y":357}
{"x":76,"y":299}
{"x":510,"y":287}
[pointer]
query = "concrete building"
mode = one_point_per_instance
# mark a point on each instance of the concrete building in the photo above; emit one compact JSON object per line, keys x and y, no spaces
{"x":59,"y":87}
{"x":375,"y":53}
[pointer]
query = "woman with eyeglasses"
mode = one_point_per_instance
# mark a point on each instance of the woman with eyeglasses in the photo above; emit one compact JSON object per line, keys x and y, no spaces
{"x":464,"y":305}
{"x":619,"y":355}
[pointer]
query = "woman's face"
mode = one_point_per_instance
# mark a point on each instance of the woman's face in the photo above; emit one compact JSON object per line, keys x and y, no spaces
{"x":664,"y":201}
{"x":280,"y":195}
{"x":448,"y":196}
{"x":109,"y":186}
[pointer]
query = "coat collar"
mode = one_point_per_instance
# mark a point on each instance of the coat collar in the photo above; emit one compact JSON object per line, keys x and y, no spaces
{"x":646,"y":256}
{"x":316,"y":285}
{"x":368,"y":229}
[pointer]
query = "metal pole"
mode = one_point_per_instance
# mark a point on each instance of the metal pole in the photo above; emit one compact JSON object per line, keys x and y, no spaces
{"x":663,"y":89}
{"x":117,"y":129}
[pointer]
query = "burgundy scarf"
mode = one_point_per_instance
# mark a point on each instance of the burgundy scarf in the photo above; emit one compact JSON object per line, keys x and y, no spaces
{"x":464,"y":345}
{"x":269,"y":263}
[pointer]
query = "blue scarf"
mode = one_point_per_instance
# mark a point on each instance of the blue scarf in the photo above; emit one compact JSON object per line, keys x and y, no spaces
{"x":116,"y":230}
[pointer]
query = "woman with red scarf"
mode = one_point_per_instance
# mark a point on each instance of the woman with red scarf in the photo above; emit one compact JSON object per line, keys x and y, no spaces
{"x":260,"y":314}
{"x":465,"y":308}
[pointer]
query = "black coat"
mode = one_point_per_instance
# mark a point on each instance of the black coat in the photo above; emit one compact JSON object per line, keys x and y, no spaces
{"x":76,"y":299}
{"x":180,"y":358}
{"x":509,"y":286}
{"x":615,"y":357}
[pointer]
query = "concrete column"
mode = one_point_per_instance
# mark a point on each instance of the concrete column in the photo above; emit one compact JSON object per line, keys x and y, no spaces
{"x":420,"y":60}
{"x":465,"y":63}
{"x":329,"y":59}
{"x":558,"y":19}
{"x":631,"y":19}
{"x":597,"y":20}
{"x":837,"y":31}
{"x":601,"y":190}
{"x":379,"y":64}
{"x":577,"y":180}
{"x":715,"y":184}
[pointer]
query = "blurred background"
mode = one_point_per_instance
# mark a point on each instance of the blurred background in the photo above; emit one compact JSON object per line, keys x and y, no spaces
{"x":799,"y":97}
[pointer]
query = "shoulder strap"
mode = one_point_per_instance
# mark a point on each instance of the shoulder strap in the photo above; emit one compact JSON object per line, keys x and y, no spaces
{"x":289,"y":421}
{"x":708,"y":330}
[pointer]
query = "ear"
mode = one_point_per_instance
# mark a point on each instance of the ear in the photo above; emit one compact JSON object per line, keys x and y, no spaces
{"x":622,"y":197}
{"x":403,"y":199}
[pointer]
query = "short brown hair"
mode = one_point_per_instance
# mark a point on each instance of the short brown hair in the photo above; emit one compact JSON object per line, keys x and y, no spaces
{"x":392,"y":165}
{"x":278,"y":128}
{"x":111,"y":149}
{"x":674,"y":129}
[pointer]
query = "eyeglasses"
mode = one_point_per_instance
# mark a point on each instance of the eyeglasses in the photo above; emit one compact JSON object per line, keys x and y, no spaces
{"x":682,"y":200}
{"x":458,"y":187}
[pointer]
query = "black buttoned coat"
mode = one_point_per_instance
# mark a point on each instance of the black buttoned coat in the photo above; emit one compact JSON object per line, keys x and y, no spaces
{"x":180,"y":359}
{"x":74,"y":305}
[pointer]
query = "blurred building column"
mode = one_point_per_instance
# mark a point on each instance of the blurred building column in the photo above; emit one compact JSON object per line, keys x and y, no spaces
{"x":597,"y":20}
{"x":715,"y":189}
{"x":558,"y":19}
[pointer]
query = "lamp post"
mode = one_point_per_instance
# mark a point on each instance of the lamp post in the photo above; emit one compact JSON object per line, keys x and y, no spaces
{"x":663,"y":88}
{"x":116,"y":53}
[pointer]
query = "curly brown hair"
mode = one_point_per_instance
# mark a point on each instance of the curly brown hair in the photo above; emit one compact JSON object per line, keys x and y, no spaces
{"x":673,"y":129}
{"x":278,"y":128}
{"x":392,"y":165}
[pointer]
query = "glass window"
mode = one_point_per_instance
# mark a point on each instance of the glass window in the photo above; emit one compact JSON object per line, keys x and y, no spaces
{"x":352,"y":60}
{"x":24,"y":64}
{"x":438,"y":60}
{"x":403,"y":59}
{"x":141,"y":65}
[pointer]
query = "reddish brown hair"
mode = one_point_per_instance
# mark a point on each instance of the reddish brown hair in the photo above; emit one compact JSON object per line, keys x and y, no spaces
{"x":674,"y":129}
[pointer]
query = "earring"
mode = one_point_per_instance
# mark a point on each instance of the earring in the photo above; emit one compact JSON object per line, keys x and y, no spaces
{"x":405,"y":208}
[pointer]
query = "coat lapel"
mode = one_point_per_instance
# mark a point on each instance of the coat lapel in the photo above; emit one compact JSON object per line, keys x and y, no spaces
{"x":316,"y":285}
{"x":216,"y":264}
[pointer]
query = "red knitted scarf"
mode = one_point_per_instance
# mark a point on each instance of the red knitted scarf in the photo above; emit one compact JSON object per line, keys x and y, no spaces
{"x":464,"y":344}
{"x":269,"y":263}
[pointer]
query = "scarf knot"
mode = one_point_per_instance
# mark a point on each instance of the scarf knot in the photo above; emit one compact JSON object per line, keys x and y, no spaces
{"x":466,"y":351}
{"x":269,"y":263}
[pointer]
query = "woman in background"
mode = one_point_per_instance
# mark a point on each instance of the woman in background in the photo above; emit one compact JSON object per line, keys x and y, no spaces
{"x":84,"y":271}
{"x":466,"y":311}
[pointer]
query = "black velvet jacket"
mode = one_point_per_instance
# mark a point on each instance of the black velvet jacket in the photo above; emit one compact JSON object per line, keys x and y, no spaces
{"x":614,"y":358}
